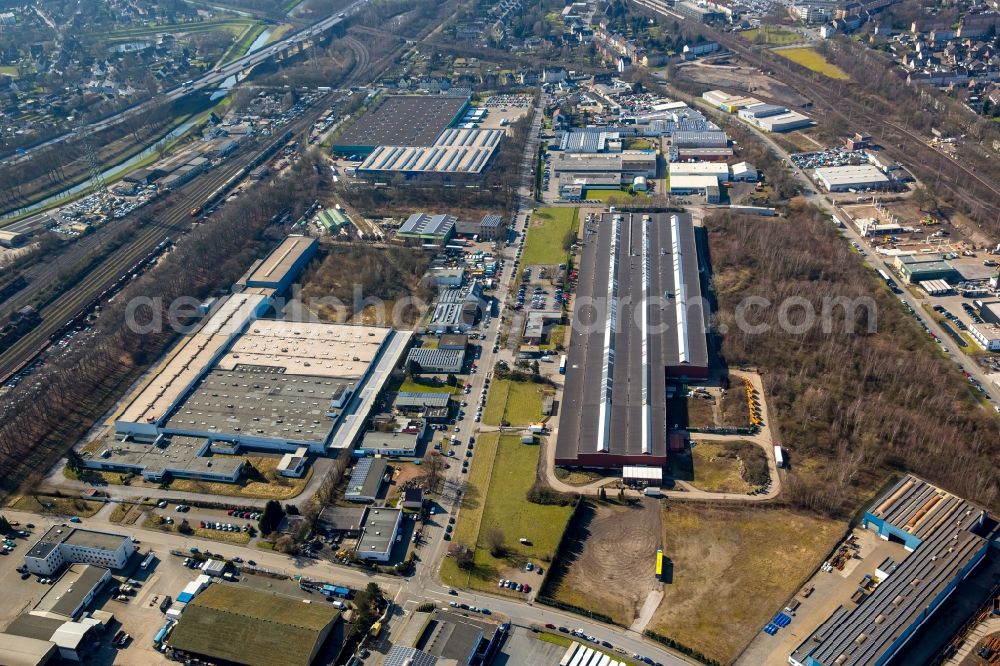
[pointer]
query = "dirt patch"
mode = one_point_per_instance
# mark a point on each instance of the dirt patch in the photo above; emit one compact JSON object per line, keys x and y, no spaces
{"x":610,"y":565}
{"x":738,"y":79}
{"x":404,"y":474}
{"x":729,"y":568}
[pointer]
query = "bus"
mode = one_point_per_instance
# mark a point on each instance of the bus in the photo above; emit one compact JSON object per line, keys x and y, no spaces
{"x":779,"y":457}
{"x":146,"y":562}
{"x":659,"y":562}
{"x":562,"y":365}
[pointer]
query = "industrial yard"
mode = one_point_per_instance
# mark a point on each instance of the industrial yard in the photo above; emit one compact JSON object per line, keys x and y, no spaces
{"x":502,"y":332}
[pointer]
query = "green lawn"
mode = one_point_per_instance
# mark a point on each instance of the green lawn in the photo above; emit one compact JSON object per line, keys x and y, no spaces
{"x":772,"y":35}
{"x":509,"y":468}
{"x":811,"y":59}
{"x":517,"y":403}
{"x":496,"y":402}
{"x":417,"y":387}
{"x":549,"y":226}
{"x":59,"y":506}
{"x":607,"y":195}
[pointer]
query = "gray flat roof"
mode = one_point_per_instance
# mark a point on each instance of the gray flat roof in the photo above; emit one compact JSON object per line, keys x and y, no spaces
{"x":579,"y":425}
{"x":404,"y":120}
{"x":66,"y":595}
{"x":343,"y":518}
{"x":175,"y":453}
{"x":379,"y":525}
{"x":76,"y":536}
{"x":254,"y":402}
{"x":376,"y":441}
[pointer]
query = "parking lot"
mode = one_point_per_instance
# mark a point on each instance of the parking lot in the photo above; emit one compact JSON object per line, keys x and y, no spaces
{"x":504,"y":110}
{"x":540,"y":290}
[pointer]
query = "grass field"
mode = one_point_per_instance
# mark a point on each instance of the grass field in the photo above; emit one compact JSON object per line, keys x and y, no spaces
{"x":811,"y":59}
{"x":517,"y":403}
{"x":59,"y":506}
{"x":548,"y":228}
{"x":701,"y":411}
{"x":496,"y":402}
{"x":506,"y":468}
{"x":716,"y":473}
{"x":772,"y":35}
{"x":734,"y":409}
{"x":607,"y":195}
{"x":731,"y":568}
{"x":610,"y":565}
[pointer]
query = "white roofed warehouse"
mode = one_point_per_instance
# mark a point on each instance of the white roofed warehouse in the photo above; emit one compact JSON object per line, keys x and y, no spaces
{"x":845,"y":178}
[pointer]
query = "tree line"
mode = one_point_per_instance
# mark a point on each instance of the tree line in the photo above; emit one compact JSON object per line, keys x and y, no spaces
{"x":852,"y":405}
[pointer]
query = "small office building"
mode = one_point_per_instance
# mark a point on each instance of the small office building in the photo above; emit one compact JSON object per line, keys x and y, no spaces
{"x":379,"y":534}
{"x":61,"y":545}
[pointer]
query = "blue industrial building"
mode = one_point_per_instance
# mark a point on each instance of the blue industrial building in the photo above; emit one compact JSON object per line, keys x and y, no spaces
{"x":943,"y":533}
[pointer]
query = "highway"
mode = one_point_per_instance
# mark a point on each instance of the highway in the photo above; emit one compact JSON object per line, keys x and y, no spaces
{"x":209,"y":82}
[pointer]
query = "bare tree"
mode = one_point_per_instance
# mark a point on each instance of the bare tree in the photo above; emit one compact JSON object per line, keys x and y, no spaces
{"x":496,"y":541}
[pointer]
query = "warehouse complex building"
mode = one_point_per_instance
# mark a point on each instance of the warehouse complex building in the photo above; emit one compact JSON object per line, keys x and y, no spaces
{"x":846,"y":178}
{"x":241,"y":381}
{"x":419,"y":135}
{"x":402,"y":120}
{"x":945,"y":535}
{"x":622,"y":356}
{"x":236,"y":624}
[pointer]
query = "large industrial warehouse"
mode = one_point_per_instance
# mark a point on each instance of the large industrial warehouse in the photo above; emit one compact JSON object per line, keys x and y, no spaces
{"x":456,"y":151}
{"x":948,"y":537}
{"x":402,"y":120}
{"x":622,"y":355}
{"x":243,"y":381}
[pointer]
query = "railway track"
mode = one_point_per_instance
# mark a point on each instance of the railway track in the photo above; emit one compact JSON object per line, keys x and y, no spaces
{"x":929,"y":164}
{"x":175,"y":221}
